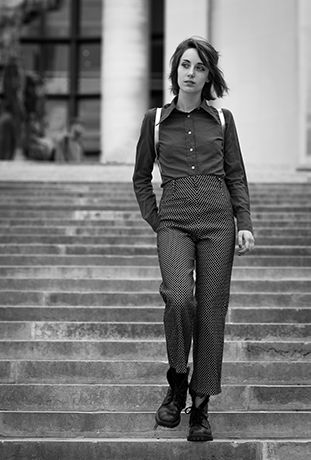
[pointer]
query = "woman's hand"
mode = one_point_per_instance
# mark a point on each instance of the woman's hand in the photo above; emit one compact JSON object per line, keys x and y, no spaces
{"x":246,"y":242}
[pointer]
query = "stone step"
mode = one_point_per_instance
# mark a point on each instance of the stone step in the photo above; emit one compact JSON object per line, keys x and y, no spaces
{"x":74,"y":192}
{"x":256,"y":188}
{"x":134,"y":223}
{"x":104,"y":201}
{"x":154,"y":449}
{"x":147,"y":372}
{"x":95,"y":183}
{"x":125,"y":205}
{"x":94,"y":222}
{"x":258,"y":198}
{"x":57,"y":193}
{"x":147,"y":285}
{"x":95,"y":299}
{"x":127,"y":198}
{"x":241,"y":425}
{"x":131,"y":231}
{"x":119,"y":272}
{"x":82,"y":349}
{"x":77,"y":185}
{"x":268,"y":314}
{"x":53,"y":198}
{"x":115,"y":314}
{"x":94,"y":254}
{"x":125,"y":215}
{"x":132,"y":240}
{"x":100,"y":191}
{"x":29,"y":255}
{"x":86,"y":215}
{"x":39,"y":255}
{"x":147,"y":314}
{"x":146,"y":397}
{"x":154,"y":350}
{"x":31,"y":188}
{"x":102,"y":204}
{"x":34,"y":330}
{"x":265,"y":188}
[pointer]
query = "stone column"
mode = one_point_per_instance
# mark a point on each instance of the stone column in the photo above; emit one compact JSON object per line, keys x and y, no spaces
{"x":125,"y":75}
{"x":257,"y":41}
{"x":304,"y":70}
{"x":182,"y":20}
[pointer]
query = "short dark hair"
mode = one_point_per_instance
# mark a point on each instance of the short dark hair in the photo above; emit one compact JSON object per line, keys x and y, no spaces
{"x":216,"y":84}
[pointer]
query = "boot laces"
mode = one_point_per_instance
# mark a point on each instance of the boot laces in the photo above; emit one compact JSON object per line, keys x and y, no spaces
{"x":197,"y":415}
{"x":173,"y":396}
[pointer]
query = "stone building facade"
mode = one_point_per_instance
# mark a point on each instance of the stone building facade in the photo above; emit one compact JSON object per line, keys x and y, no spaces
{"x":265,"y":49}
{"x":107,"y":61}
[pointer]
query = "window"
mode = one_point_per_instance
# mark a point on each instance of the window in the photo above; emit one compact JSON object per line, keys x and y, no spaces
{"x":64,"y":48}
{"x":89,"y":68}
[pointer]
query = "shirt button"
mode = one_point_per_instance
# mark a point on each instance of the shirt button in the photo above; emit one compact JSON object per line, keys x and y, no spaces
{"x":188,"y":115}
{"x":192,"y":167}
{"x":191,"y":150}
{"x":189,"y":132}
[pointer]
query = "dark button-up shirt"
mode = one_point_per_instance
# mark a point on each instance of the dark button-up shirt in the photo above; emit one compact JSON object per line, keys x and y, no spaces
{"x":191,"y":144}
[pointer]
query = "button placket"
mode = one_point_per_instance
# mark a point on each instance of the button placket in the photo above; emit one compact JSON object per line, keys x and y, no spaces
{"x":190,"y":147}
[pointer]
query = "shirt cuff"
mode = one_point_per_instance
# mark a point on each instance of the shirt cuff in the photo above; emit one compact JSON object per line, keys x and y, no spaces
{"x":244,"y":221}
{"x":154,"y":221}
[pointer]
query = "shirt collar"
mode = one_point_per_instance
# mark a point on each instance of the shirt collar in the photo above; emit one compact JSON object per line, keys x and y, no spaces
{"x":205,"y":105}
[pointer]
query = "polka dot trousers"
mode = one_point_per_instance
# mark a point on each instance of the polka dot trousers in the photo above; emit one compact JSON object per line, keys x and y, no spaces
{"x":196,"y":239}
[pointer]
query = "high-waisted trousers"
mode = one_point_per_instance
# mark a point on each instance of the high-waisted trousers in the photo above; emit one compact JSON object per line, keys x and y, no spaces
{"x":196,"y":240}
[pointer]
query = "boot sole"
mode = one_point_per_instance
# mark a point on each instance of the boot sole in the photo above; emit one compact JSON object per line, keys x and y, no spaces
{"x":201,"y":438}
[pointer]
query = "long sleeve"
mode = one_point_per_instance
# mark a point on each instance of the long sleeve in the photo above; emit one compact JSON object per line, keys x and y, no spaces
{"x":235,"y":175}
{"x":142,"y":176}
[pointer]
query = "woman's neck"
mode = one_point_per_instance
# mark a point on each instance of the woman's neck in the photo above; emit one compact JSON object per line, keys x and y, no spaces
{"x":187,"y":103}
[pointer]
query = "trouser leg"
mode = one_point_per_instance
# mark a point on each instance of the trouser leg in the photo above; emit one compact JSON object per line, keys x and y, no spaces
{"x":176,"y":251}
{"x":214,"y":265}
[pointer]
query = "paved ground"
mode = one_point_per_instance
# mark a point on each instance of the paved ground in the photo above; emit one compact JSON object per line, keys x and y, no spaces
{"x":96,"y":172}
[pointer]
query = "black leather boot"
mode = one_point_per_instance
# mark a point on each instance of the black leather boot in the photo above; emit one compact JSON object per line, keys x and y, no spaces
{"x":199,"y":427}
{"x":168,"y":414}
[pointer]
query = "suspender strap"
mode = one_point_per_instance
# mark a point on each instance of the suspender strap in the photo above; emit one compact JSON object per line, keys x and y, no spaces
{"x":156,"y":131}
{"x":222,"y":119}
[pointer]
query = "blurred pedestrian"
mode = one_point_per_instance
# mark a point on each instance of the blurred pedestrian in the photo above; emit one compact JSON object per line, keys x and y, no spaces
{"x":7,"y":133}
{"x":69,"y":147}
{"x":37,"y":146}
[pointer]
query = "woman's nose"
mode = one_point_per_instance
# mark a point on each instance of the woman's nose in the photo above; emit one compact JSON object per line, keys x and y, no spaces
{"x":191,"y":71}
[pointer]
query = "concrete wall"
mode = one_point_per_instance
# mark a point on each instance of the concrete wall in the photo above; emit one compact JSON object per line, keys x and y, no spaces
{"x":265,"y":48}
{"x":258,"y":41}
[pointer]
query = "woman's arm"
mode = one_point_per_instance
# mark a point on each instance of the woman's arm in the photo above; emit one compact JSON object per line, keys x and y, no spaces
{"x":142,"y":176}
{"x":235,"y":175}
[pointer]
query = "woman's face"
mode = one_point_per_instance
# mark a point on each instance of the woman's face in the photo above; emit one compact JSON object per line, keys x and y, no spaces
{"x":192,"y":74}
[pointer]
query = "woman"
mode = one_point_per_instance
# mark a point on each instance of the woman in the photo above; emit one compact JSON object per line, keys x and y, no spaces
{"x":204,"y":188}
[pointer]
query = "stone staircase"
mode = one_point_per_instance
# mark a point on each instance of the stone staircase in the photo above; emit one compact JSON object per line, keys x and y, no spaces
{"x":82,"y":350}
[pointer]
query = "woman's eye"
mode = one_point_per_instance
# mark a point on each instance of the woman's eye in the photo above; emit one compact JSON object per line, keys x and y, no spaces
{"x":201,"y":68}
{"x":184,"y":64}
